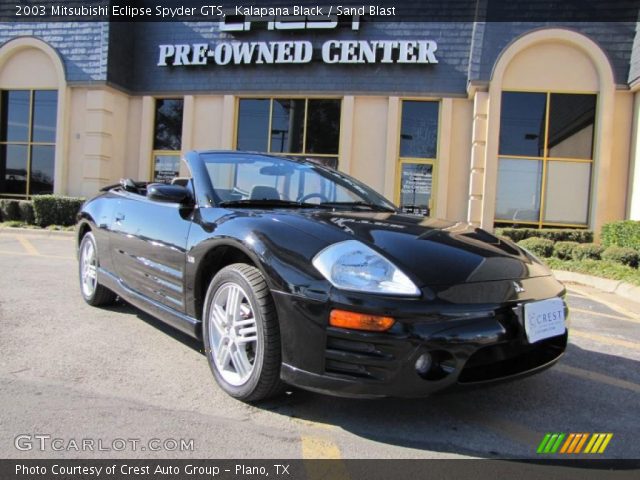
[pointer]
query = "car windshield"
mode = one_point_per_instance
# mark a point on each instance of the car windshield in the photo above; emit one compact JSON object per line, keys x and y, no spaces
{"x":240,"y":179}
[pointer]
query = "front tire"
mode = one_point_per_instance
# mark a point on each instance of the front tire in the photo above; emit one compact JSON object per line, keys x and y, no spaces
{"x":93,"y":292}
{"x":241,"y":334}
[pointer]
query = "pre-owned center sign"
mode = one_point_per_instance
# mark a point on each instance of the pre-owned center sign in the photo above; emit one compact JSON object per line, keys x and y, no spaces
{"x":296,"y":52}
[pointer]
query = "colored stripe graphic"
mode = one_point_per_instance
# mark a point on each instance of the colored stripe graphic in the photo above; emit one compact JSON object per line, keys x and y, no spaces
{"x":543,"y":443}
{"x":605,"y":443}
{"x":581,"y":443}
{"x":570,"y":438}
{"x":555,"y":447}
{"x":598,"y":443}
{"x":573,"y":443}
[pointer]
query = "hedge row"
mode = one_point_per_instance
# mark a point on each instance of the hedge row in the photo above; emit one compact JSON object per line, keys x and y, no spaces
{"x":545,"y":248}
{"x":42,"y":210}
{"x":541,"y":247}
{"x":16,"y":210}
{"x":624,"y":255}
{"x":622,"y":234}
{"x":555,"y":235}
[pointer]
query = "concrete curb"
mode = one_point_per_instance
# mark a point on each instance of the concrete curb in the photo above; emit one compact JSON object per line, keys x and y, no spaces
{"x":625,"y":290}
{"x":41,"y":232}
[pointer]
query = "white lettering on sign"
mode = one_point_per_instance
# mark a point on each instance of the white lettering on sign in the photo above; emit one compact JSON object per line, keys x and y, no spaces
{"x":243,"y":19}
{"x":300,"y":51}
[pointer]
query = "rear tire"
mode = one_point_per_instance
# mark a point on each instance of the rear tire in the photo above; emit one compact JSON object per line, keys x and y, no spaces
{"x":92,"y":291}
{"x":241,"y":334}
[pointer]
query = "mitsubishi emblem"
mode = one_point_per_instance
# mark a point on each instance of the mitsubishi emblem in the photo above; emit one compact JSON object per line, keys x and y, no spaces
{"x":517,"y":287}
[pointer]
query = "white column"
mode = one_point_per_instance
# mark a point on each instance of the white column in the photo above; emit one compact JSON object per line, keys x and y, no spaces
{"x":346,"y":134}
{"x":443,"y":161}
{"x":391,"y":159}
{"x":146,"y":138}
{"x":478,"y":158}
{"x":98,"y":143}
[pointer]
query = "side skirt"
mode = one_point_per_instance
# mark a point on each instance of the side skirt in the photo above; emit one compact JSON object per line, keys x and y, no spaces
{"x":180,"y":321}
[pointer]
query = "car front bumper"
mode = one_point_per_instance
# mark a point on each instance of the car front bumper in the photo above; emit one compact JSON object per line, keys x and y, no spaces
{"x":467,"y":345}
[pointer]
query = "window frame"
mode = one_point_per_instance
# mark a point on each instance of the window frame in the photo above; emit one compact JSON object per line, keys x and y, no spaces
{"x":154,"y":152}
{"x":400,"y":160}
{"x":306,"y":98}
{"x":499,"y":222}
{"x":29,"y":144}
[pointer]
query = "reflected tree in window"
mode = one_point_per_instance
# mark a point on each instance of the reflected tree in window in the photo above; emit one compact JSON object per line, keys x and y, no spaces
{"x":168,"y":124}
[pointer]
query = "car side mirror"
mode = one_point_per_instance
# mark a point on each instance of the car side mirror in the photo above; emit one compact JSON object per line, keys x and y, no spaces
{"x":161,"y":192}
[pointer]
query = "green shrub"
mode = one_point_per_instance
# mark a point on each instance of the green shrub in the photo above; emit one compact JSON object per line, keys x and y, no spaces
{"x":10,"y":209}
{"x":622,"y":234}
{"x":599,"y":268}
{"x":624,"y":255}
{"x":588,"y":251}
{"x":26,"y":211}
{"x":56,"y":210}
{"x":14,"y":224}
{"x":564,"y":250}
{"x":553,"y":234}
{"x":541,"y":247}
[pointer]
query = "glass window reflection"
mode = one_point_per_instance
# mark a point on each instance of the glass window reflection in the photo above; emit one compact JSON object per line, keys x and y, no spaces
{"x":14,"y":123}
{"x":45,"y":110}
{"x":323,"y":126}
{"x":518,"y":194}
{"x":27,"y":141}
{"x":299,"y":127}
{"x":419,"y":129}
{"x":287,"y":126}
{"x":42,"y":169}
{"x":568,"y":185}
{"x":253,"y":123}
{"x":522,"y":124}
{"x":13,"y":169}
{"x":571,"y":121}
{"x":168,"y":124}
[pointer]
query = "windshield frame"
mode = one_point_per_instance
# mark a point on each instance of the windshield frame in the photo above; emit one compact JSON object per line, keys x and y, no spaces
{"x":356,"y":188}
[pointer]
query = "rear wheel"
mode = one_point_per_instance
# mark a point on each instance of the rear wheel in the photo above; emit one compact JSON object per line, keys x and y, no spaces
{"x":92,"y":292}
{"x":241,"y":334}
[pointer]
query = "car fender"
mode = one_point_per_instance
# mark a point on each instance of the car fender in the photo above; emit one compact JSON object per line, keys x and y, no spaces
{"x":96,"y":214}
{"x":261,"y":240}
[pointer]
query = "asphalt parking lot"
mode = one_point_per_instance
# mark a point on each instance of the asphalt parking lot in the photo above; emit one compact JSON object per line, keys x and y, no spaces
{"x":74,"y":372}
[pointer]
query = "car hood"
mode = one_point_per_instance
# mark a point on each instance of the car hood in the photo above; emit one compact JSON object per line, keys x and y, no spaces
{"x":432,"y":251}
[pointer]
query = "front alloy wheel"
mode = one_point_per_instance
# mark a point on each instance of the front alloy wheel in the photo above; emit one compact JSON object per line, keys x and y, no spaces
{"x":234,"y":336}
{"x":92,"y":291}
{"x":241,"y":333}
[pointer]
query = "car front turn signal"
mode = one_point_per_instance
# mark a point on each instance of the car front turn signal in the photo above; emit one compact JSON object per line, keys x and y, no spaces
{"x":360,"y":321}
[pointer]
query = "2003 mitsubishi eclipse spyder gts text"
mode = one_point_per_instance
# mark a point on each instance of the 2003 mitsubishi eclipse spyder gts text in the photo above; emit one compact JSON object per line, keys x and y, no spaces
{"x":293,"y":273}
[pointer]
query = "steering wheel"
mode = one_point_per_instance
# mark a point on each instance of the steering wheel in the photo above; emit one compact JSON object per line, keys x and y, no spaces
{"x":308,"y":196}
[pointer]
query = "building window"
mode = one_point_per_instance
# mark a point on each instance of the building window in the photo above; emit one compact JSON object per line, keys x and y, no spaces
{"x":167,"y":139}
{"x":417,"y":157}
{"x":27,"y":142}
{"x":307,"y":128}
{"x":545,"y":158}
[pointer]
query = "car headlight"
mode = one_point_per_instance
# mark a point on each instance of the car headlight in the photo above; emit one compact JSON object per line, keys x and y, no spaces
{"x":351,"y":265}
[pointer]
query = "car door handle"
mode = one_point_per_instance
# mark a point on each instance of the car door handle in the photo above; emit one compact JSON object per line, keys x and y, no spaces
{"x":119,"y":217}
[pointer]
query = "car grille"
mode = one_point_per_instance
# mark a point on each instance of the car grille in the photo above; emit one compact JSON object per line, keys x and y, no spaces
{"x":361,"y":355}
{"x":510,"y":358}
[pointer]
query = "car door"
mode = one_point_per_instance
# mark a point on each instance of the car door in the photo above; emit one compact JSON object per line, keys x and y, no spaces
{"x":148,"y":247}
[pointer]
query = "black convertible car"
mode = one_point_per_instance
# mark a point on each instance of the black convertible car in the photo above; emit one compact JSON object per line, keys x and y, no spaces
{"x":294,"y":273}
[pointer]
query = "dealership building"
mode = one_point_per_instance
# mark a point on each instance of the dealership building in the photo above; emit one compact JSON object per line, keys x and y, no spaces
{"x":495,"y":123}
